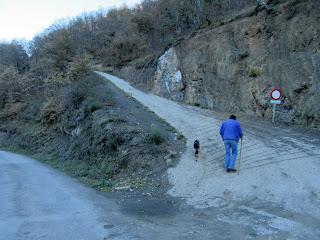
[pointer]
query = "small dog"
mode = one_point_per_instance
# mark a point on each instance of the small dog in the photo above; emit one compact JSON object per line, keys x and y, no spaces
{"x":196,"y":146}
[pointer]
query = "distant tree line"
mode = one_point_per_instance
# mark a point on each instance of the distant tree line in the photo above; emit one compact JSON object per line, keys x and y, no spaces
{"x":117,"y":37}
{"x":113,"y":38}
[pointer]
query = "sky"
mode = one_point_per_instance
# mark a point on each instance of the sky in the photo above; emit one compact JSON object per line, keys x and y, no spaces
{"x":23,"y":19}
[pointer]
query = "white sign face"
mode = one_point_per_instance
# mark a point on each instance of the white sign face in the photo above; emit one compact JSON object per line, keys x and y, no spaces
{"x":275,"y":101}
{"x":275,"y":94}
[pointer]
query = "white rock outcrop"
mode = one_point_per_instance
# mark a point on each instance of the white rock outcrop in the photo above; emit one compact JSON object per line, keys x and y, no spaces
{"x":168,"y":78}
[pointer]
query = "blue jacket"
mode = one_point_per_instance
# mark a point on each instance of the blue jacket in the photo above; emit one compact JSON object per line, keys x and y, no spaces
{"x":231,"y":130}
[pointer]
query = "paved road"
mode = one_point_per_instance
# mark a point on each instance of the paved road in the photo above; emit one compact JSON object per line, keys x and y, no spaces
{"x":37,"y":202}
{"x":279,"y":165}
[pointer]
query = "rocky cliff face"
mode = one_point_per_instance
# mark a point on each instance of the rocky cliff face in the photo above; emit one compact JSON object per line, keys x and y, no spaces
{"x":234,"y":66}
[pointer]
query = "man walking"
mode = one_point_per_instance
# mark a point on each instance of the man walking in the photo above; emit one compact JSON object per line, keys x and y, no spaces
{"x":230,"y":132}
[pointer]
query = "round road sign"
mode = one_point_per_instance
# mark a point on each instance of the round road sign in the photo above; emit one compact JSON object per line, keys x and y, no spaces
{"x":276,"y":94}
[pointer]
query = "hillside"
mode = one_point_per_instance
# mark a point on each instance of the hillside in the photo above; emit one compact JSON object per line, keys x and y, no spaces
{"x":233,"y":65}
{"x":116,"y":99}
{"x":221,"y":55}
{"x":89,"y":129}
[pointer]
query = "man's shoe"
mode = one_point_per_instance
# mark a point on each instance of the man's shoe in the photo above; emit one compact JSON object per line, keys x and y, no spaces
{"x":228,"y":170}
{"x":233,"y":170}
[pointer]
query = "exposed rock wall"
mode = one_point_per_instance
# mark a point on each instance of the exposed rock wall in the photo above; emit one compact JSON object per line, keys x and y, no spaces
{"x":167,"y":80}
{"x":233,"y":67}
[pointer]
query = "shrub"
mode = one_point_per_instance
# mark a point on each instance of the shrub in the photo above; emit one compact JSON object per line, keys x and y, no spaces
{"x":255,"y":72}
{"x":116,"y":141}
{"x":196,"y":104}
{"x":180,"y":137}
{"x":11,"y":110}
{"x":51,"y":111}
{"x":155,"y":137}
{"x":94,"y":106}
{"x":13,"y":54}
{"x":56,"y":80}
{"x":12,"y":85}
{"x":78,"y":69}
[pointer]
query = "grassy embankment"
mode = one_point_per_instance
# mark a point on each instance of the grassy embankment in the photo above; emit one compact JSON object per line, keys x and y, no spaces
{"x":92,"y":131}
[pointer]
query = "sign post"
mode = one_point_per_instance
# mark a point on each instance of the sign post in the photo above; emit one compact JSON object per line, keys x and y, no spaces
{"x":276,"y":96}
{"x":274,"y":113}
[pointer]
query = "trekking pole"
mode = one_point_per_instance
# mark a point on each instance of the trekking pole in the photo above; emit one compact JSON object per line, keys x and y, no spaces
{"x":240,"y":157}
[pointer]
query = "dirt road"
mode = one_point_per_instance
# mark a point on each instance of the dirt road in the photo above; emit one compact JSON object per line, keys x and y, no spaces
{"x":279,"y":169}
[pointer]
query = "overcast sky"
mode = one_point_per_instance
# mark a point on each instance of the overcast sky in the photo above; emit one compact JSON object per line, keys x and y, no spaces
{"x":24,"y":18}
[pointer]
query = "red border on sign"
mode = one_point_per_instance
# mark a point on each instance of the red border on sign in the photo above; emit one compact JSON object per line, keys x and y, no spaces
{"x":276,"y":89}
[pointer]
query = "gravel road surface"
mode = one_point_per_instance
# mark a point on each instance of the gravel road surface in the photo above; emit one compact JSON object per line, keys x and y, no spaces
{"x":279,"y":165}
